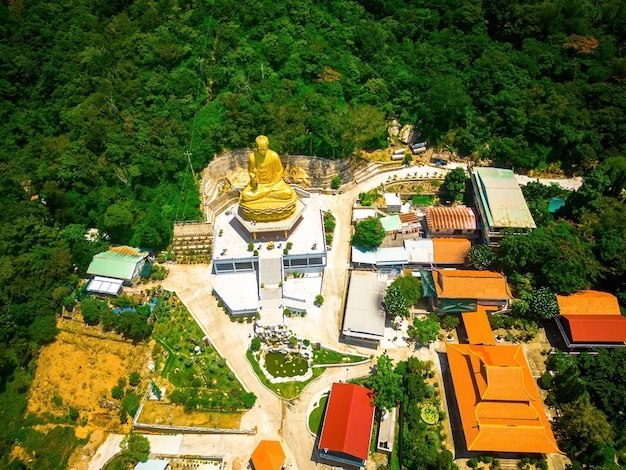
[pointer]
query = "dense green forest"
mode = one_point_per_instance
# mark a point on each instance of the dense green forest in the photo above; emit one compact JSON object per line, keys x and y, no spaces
{"x":110,"y":109}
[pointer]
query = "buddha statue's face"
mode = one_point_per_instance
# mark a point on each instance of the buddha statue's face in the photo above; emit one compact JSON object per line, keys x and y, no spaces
{"x":262,"y":147}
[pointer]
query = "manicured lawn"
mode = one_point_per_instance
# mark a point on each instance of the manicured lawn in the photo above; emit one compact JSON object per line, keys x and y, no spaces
{"x":285,"y":365}
{"x":315,"y":418}
{"x":286,"y":390}
{"x":328,"y":356}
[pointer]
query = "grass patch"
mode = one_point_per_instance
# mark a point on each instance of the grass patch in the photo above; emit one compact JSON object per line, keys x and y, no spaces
{"x":286,"y":390}
{"x":52,"y":449}
{"x":315,"y":418}
{"x":422,"y":200}
{"x":328,"y":356}
{"x":284,"y":365}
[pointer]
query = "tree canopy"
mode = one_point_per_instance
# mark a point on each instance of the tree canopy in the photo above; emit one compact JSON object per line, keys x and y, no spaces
{"x":386,"y":384}
{"x":395,"y":303}
{"x":368,"y":233}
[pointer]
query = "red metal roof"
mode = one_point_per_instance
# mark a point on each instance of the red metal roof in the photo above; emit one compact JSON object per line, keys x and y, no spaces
{"x":348,"y":423}
{"x":458,"y":218}
{"x":596,"y":328}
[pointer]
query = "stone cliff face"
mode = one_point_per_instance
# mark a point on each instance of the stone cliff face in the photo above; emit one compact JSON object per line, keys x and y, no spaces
{"x":302,"y":170}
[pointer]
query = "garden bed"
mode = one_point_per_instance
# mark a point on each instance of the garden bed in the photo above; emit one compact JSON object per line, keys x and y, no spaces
{"x":193,"y":373}
{"x":154,"y":412}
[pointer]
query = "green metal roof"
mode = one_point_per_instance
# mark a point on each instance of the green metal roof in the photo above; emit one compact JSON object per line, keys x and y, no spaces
{"x":113,"y":264}
{"x":502,"y":198}
{"x":391,"y":223}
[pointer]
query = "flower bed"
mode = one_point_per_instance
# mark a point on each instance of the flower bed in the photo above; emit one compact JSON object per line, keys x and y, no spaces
{"x":429,"y":414}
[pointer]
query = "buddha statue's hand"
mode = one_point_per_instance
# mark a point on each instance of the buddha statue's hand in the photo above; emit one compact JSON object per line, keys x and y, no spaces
{"x":253,"y":181}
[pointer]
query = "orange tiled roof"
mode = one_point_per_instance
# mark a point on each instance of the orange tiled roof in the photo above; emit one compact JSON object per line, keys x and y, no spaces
{"x":268,"y":455}
{"x":127,"y":250}
{"x":451,"y":250}
{"x":470,"y":284}
{"x":588,"y":302}
{"x":409,"y":218}
{"x":498,"y":401}
{"x":477,"y":326}
{"x":457,"y":218}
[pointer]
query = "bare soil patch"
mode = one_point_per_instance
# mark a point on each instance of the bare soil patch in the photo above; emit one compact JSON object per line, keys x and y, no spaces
{"x":77,"y":370}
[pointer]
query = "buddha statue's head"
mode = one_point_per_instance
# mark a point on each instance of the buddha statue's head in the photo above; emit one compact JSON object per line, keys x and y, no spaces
{"x":262,"y":144}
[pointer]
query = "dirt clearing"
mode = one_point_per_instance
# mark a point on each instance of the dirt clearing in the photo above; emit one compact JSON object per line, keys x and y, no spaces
{"x":78,"y":370}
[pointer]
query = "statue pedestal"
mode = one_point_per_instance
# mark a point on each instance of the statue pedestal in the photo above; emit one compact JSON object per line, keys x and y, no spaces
{"x":261,"y":212}
{"x":282,"y":226}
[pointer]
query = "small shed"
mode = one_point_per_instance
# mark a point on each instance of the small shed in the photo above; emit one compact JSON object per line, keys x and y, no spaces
{"x":393,"y":202}
{"x":391,"y":224}
{"x":121,"y":262}
{"x":153,"y":464}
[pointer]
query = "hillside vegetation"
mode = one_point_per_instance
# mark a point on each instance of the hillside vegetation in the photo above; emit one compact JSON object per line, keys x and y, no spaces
{"x":110,"y":109}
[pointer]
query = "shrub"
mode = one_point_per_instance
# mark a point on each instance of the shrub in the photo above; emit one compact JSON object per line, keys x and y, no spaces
{"x":480,"y":256}
{"x":73,"y":414}
{"x":134,"y":378}
{"x":473,"y":462}
{"x":91,"y":309}
{"x":450,"y":322}
{"x":250,"y":246}
{"x":248,"y":399}
{"x":319,"y":300}
{"x":543,"y":303}
{"x":335,"y":183}
{"x":131,"y":402}
{"x":117,"y":392}
{"x":255,"y":344}
{"x":156,"y":390}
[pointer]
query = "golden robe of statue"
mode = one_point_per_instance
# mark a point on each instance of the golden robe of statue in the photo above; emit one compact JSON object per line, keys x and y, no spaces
{"x":267,"y":198}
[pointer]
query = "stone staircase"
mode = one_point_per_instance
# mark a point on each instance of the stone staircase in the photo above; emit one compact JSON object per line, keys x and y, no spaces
{"x":270,"y":276}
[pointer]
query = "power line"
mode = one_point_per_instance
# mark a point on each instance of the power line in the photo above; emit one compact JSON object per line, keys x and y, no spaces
{"x":189,"y":152}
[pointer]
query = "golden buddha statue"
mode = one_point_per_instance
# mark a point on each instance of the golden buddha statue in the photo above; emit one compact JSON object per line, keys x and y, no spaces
{"x":267,"y":197}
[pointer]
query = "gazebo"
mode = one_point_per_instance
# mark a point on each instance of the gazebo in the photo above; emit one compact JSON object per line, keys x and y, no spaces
{"x":268,"y":455}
